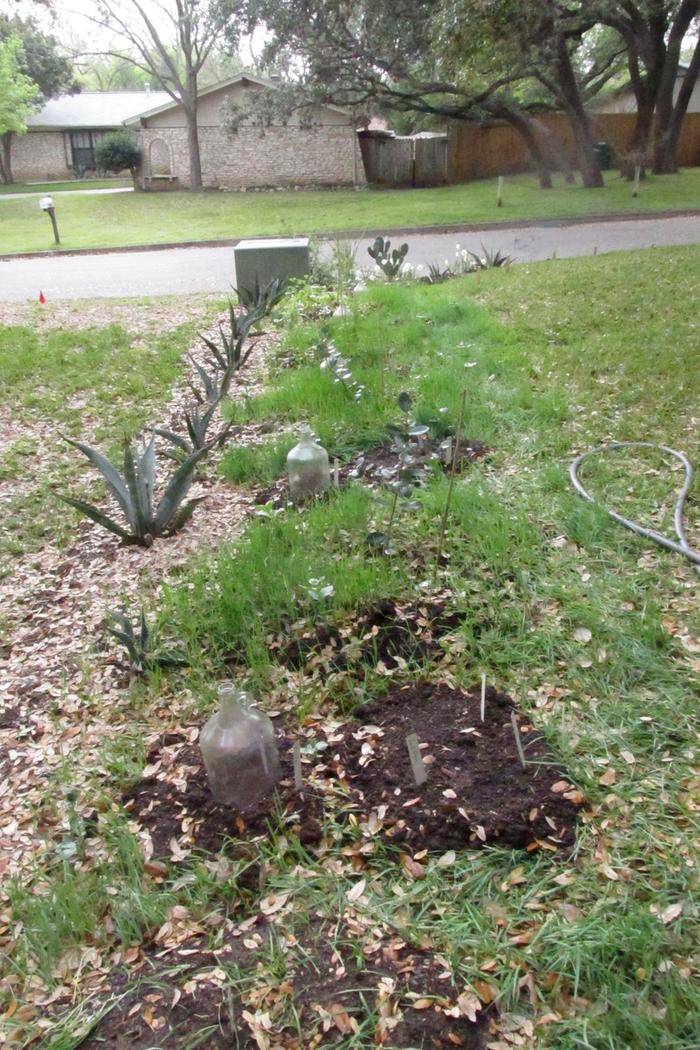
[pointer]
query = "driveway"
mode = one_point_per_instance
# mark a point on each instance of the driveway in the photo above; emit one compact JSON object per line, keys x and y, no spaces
{"x":176,"y":271}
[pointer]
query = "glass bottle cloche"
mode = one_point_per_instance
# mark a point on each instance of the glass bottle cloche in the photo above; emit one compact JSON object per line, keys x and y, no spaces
{"x":239,"y":750}
{"x":309,"y":468}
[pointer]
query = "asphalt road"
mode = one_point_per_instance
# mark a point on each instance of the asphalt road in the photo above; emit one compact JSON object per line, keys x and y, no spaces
{"x":181,"y":270}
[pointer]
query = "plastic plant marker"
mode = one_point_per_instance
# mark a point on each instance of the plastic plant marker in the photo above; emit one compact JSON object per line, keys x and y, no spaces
{"x":420,"y":774}
{"x":483,"y":696}
{"x":296,"y":758}
{"x":518,"y":740}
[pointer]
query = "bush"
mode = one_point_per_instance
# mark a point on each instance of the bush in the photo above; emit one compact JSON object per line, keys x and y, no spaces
{"x":117,"y":151}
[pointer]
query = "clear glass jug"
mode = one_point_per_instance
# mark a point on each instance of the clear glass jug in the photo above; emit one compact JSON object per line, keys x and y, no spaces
{"x":239,"y":750}
{"x":309,"y":469}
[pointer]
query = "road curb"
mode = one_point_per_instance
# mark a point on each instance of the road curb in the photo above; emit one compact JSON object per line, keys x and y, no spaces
{"x":392,"y":231}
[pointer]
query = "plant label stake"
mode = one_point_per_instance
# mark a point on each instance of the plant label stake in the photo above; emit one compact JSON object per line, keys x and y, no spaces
{"x":296,"y":757}
{"x":483,"y":696}
{"x":499,"y":197}
{"x":336,"y":474}
{"x":637,"y":176}
{"x":518,"y":741}
{"x":419,"y":772}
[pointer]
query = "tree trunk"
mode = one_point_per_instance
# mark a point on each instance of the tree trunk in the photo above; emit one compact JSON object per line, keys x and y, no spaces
{"x":527,"y":128}
{"x":665,"y":159}
{"x":6,"y":157}
{"x":570,"y":98}
{"x":193,"y":133}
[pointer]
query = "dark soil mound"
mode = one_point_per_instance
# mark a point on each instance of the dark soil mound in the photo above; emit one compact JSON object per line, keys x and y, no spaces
{"x":175,"y":803}
{"x":177,"y":1006}
{"x":375,"y":466}
{"x":388,"y":633}
{"x":477,"y":791}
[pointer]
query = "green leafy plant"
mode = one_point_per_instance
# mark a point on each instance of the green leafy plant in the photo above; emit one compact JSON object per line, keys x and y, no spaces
{"x":387,"y":259}
{"x":117,"y":151}
{"x":134,"y":492}
{"x":140,"y":644}
{"x":339,"y":367}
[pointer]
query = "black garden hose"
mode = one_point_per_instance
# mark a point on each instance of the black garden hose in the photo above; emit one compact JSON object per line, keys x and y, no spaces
{"x":682,"y":547}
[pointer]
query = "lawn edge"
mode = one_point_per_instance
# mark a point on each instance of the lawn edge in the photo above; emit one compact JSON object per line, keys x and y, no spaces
{"x":390,"y":231}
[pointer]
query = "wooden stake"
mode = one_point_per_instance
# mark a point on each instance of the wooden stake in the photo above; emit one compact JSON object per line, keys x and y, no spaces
{"x":453,"y":471}
{"x":518,"y":741}
{"x":483,"y":696}
{"x":637,"y":176}
{"x":418,"y":766}
{"x":595,"y":250}
{"x":336,"y":473}
{"x":296,"y":758}
{"x":499,"y":196}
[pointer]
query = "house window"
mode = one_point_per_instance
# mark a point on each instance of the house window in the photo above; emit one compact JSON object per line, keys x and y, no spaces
{"x":82,"y":145}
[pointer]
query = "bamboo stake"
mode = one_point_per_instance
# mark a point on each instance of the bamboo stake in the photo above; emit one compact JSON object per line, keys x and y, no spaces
{"x":483,"y":696}
{"x":453,"y":471}
{"x":499,"y":196}
{"x":296,"y":756}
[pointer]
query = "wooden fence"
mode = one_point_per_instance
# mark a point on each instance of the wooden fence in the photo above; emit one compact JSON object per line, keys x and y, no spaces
{"x":475,"y":152}
{"x":404,"y":161}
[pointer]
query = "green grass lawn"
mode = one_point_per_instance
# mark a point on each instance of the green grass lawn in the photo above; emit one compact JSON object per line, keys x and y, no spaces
{"x":129,"y":219}
{"x":63,"y":187}
{"x":595,"y":632}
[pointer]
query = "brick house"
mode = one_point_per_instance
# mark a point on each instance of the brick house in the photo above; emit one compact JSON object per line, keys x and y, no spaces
{"x":322,"y":150}
{"x":61,"y":137}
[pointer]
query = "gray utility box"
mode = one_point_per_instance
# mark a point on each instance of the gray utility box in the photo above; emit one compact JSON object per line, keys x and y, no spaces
{"x":264,"y":260}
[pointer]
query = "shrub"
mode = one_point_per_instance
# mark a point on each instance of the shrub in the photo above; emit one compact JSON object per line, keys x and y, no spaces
{"x":116,"y":152}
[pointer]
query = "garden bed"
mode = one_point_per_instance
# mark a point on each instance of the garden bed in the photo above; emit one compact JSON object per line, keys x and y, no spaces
{"x":399,"y":998}
{"x":477,"y":791}
{"x":377,"y":467}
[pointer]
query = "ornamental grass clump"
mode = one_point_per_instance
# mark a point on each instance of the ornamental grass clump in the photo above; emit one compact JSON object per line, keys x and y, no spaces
{"x":134,"y":493}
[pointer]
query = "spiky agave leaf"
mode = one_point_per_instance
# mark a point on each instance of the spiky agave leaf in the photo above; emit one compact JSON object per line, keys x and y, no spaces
{"x":113,"y":479}
{"x":140,"y":517}
{"x":175,"y":439}
{"x":101,"y":518}
{"x":175,"y":492}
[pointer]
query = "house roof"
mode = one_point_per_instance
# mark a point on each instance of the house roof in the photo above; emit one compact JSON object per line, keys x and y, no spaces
{"x":626,"y":88}
{"x":239,"y":78}
{"x":94,"y":109}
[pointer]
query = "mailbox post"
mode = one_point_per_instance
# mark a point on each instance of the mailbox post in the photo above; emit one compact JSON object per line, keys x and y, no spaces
{"x":46,"y":204}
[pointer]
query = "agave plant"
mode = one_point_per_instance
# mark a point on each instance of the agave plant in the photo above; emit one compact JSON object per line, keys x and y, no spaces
{"x":490,"y":260}
{"x":140,"y":643}
{"x":228,"y":357}
{"x":134,"y":492}
{"x":389,"y":261}
{"x":261,"y":298}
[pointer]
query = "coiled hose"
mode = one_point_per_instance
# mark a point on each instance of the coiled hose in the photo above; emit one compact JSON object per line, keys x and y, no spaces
{"x":682,"y":547}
